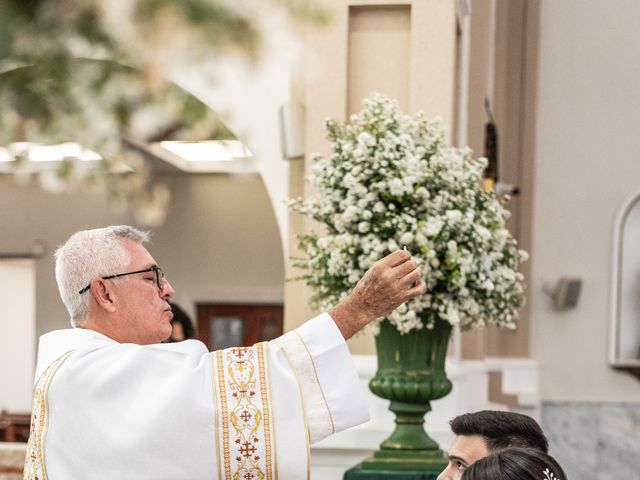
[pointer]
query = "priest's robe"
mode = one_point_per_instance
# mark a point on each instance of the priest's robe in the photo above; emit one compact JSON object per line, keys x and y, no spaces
{"x":106,"y":410}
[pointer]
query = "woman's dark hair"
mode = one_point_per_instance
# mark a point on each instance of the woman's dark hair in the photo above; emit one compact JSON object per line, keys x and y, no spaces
{"x":516,"y":464}
{"x":501,"y":430}
{"x":181,"y":317}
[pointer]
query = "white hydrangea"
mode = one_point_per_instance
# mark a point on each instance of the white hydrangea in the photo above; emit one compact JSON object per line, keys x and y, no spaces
{"x":433,"y":227}
{"x":396,"y":187}
{"x":391,"y":182}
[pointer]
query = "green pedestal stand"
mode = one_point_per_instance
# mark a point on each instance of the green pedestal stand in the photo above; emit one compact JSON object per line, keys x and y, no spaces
{"x":410,"y":374}
{"x":360,"y":473}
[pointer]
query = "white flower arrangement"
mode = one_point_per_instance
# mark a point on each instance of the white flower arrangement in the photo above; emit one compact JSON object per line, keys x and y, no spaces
{"x":391,"y":182}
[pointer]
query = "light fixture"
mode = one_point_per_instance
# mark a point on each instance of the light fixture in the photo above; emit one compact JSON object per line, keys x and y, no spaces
{"x":207,"y":156}
{"x":45,"y":156}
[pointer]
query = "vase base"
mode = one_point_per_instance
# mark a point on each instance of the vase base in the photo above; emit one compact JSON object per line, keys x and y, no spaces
{"x":420,"y":460}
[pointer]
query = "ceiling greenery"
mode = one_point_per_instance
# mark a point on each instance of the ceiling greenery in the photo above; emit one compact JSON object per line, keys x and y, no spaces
{"x":92,"y":71}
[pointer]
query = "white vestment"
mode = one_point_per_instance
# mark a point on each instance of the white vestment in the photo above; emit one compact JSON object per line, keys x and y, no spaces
{"x":112,"y":411}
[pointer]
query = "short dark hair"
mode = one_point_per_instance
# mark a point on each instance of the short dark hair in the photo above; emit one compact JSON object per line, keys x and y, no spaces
{"x":502,"y":430}
{"x":516,"y":464}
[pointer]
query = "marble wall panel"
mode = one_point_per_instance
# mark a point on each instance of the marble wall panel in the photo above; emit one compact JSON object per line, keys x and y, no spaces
{"x":594,"y":441}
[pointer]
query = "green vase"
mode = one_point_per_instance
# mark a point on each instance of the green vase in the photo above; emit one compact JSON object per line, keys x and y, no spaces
{"x":410,"y":374}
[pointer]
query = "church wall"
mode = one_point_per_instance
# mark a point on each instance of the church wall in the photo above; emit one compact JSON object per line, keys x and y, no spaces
{"x":27,"y":214}
{"x":586,"y":166}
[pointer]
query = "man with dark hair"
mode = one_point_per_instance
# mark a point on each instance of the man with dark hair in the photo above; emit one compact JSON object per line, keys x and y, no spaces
{"x":483,"y":433}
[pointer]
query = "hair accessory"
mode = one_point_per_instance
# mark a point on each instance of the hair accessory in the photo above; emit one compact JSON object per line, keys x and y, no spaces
{"x":549,"y":475}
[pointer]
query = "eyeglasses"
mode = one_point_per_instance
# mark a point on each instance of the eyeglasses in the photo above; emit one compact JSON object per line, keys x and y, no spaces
{"x":157,"y":270}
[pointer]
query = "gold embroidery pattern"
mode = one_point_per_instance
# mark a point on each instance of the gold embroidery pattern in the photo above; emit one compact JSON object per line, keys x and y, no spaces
{"x":216,"y":408}
{"x":224,"y":414}
{"x":268,"y":389}
{"x":34,"y":466}
{"x":265,"y":406}
{"x":245,"y":414}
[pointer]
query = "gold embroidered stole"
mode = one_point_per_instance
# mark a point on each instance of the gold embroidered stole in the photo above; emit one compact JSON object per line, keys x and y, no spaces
{"x":245,"y":440}
{"x":34,"y":466}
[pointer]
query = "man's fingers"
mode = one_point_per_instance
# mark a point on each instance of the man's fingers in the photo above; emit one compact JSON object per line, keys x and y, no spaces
{"x":389,"y":283}
{"x":419,"y":289}
{"x":405,"y":268}
{"x":396,"y":258}
{"x":412,"y":277}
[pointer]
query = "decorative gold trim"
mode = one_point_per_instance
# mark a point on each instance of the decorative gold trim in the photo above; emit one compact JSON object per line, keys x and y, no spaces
{"x":225,"y":414}
{"x":265,"y":409}
{"x":216,"y":403}
{"x":270,"y":402}
{"x":34,"y":465}
{"x":245,"y":416}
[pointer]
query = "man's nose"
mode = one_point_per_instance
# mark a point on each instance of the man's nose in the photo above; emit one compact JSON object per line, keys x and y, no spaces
{"x":444,"y":475}
{"x":167,"y":290}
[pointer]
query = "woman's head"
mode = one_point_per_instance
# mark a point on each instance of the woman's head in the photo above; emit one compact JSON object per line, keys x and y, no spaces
{"x":515,"y":464}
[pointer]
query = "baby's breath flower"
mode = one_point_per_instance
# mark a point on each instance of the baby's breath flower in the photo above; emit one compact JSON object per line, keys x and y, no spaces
{"x":390,"y":182}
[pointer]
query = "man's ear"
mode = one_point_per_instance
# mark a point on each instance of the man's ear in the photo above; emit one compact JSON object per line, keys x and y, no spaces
{"x":103,"y":294}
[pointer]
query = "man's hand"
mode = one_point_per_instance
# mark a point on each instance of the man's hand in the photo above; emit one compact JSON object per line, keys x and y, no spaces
{"x":389,"y":283}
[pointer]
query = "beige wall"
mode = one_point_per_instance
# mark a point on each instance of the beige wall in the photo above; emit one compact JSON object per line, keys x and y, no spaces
{"x":17,"y":342}
{"x":502,"y":68}
{"x":403,"y":49}
{"x":587,"y":164}
{"x":220,"y":241}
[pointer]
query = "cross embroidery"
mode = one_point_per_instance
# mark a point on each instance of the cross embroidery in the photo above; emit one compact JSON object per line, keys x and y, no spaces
{"x":238,"y":352}
{"x":247,"y":449}
{"x":246,"y":416}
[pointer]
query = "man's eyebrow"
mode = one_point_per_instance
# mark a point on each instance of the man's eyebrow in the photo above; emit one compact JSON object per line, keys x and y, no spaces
{"x":456,"y":457}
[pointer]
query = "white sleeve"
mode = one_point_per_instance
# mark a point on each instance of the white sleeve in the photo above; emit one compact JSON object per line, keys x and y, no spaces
{"x":332,"y":394}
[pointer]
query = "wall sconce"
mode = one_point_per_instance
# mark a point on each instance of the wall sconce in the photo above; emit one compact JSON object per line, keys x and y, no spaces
{"x":565,"y":293}
{"x":292,"y":138}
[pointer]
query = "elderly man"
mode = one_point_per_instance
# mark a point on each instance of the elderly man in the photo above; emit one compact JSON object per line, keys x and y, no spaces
{"x":111,"y":402}
{"x":487,"y":432}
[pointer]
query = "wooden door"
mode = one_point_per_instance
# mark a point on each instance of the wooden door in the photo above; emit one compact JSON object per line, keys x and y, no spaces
{"x":230,"y":325}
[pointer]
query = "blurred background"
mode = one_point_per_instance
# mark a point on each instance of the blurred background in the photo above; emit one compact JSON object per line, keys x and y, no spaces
{"x":196,"y":119}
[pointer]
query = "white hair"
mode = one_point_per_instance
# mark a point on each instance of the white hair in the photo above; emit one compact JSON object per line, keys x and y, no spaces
{"x":87,"y":254}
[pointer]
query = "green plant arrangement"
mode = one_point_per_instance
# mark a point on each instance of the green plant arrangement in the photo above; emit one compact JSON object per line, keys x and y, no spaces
{"x":390,"y":182}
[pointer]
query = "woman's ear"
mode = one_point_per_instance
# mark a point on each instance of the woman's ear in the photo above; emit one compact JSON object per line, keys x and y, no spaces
{"x":103,"y":294}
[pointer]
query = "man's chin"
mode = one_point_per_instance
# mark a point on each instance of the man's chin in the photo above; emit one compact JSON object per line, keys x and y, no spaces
{"x":166,"y":335}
